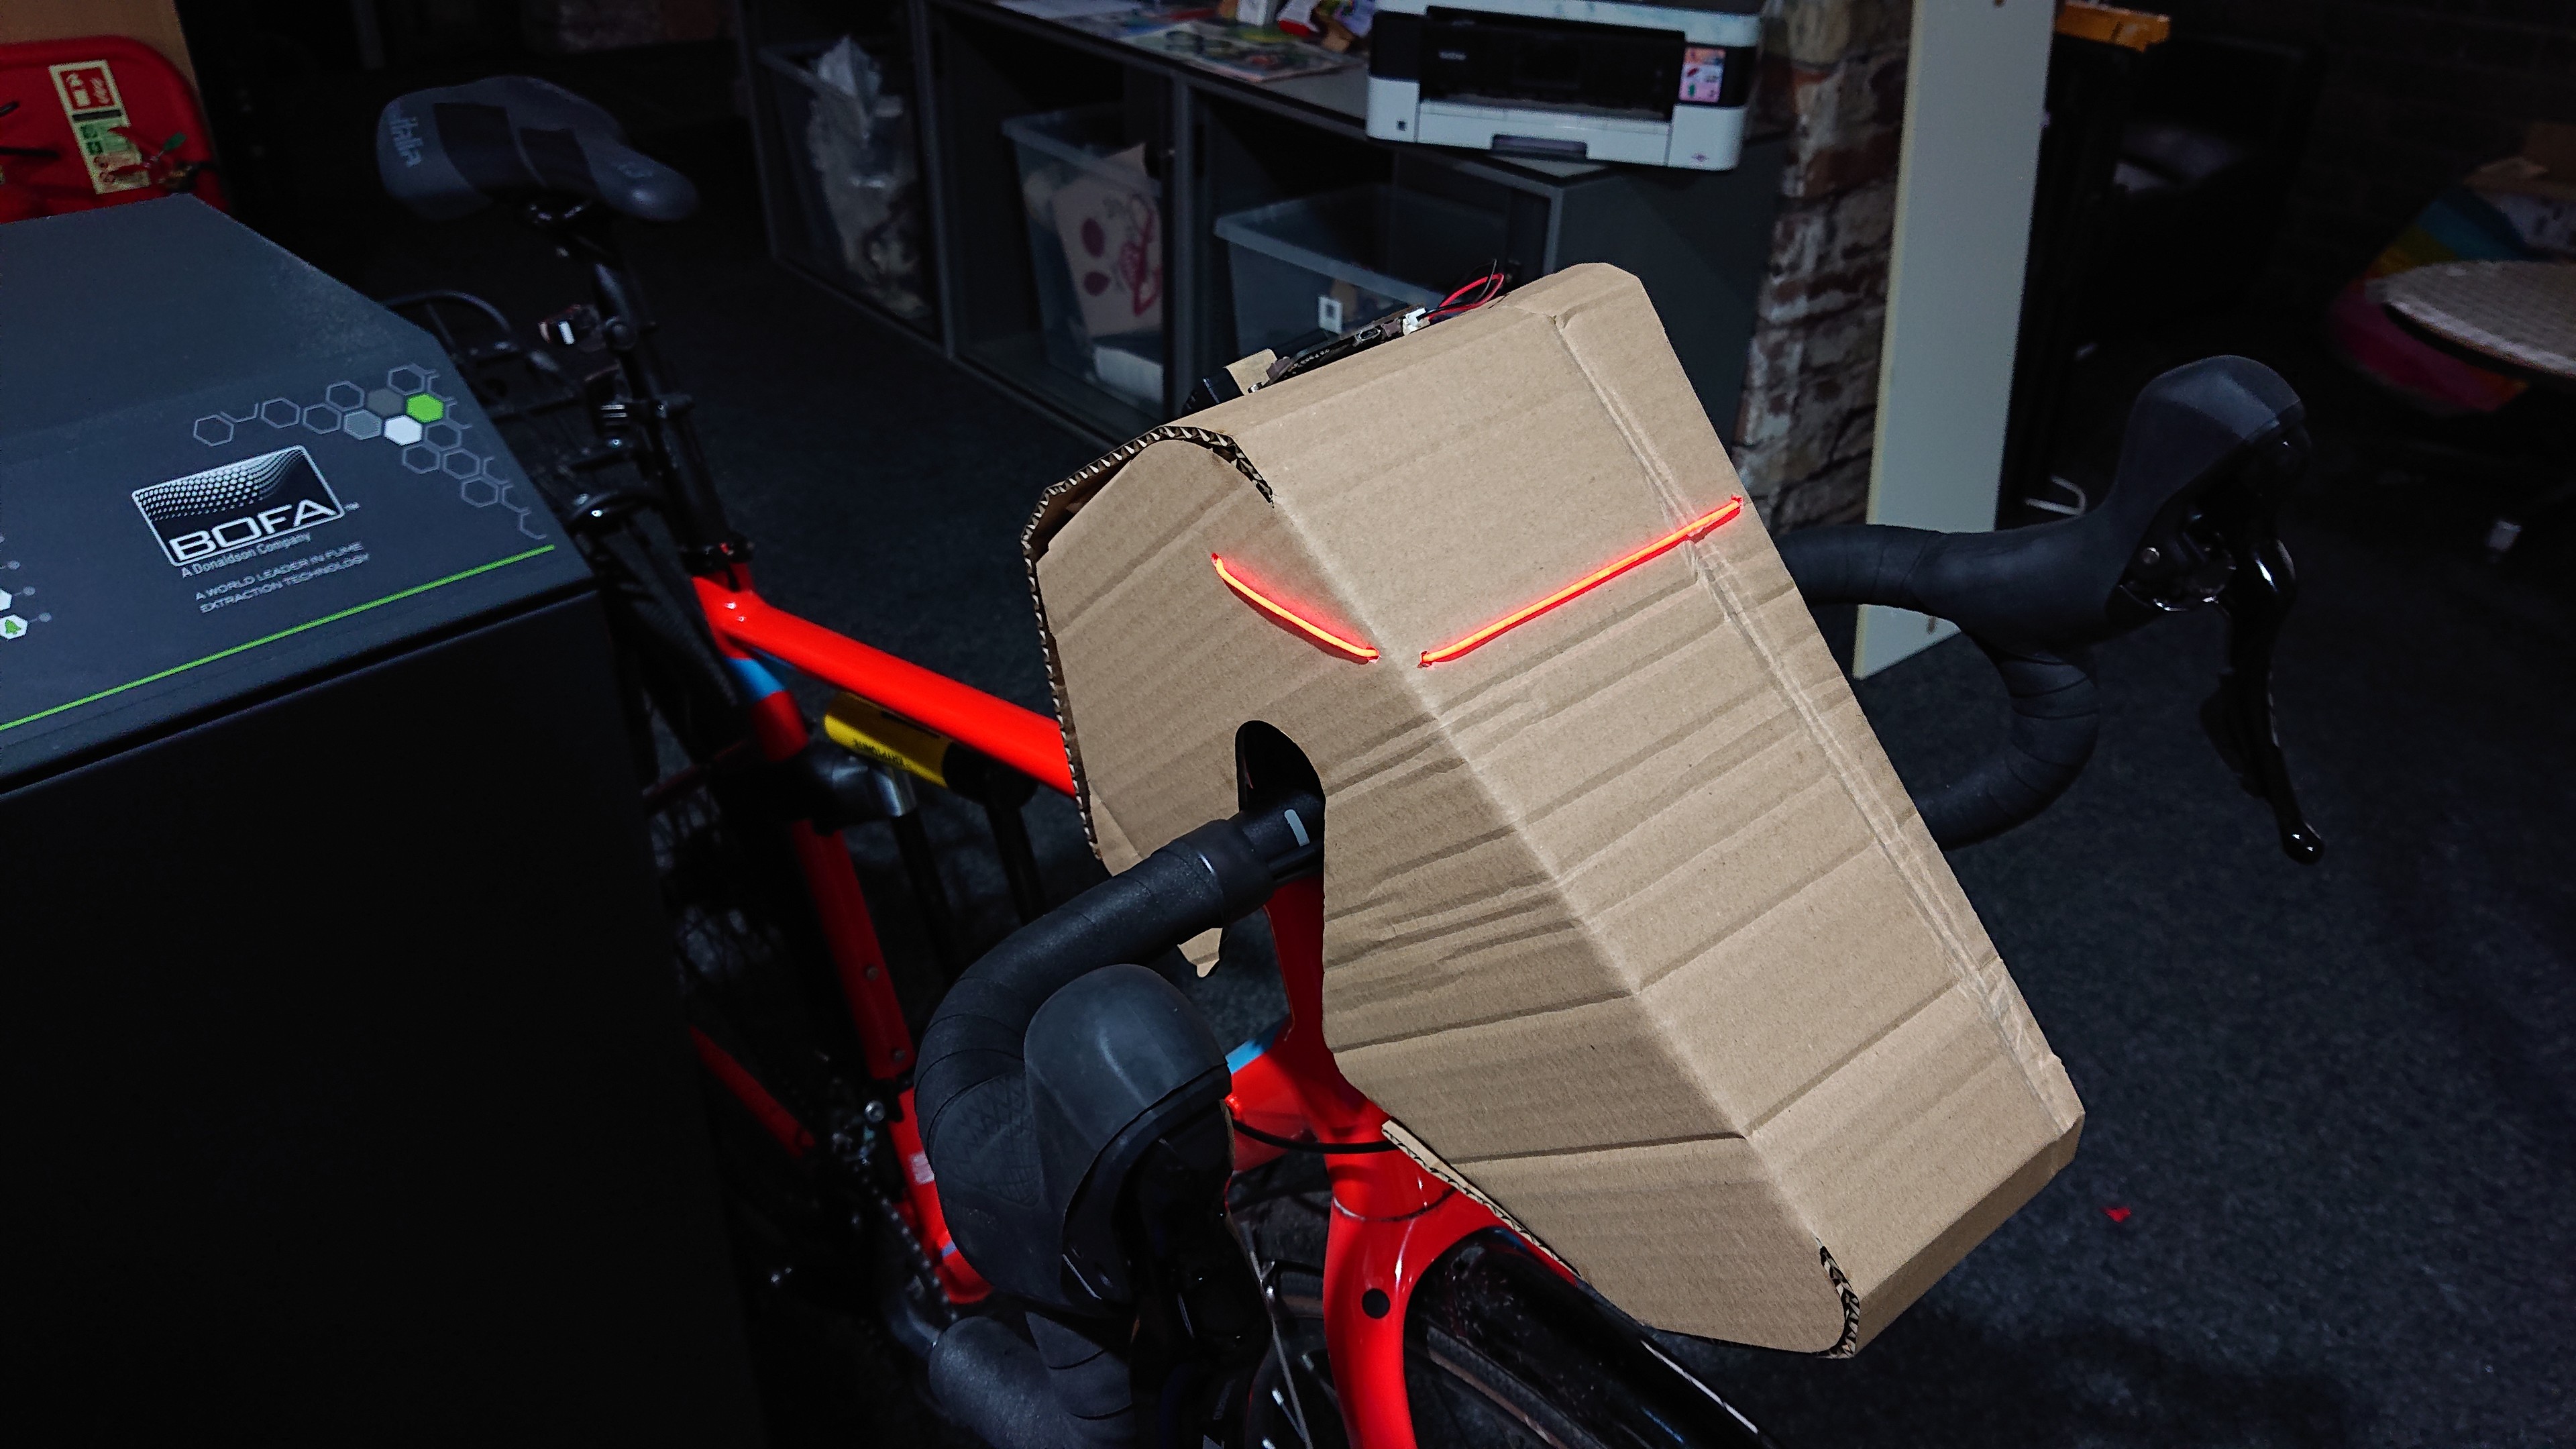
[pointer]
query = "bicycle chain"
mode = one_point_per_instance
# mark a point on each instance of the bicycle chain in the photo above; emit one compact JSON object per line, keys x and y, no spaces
{"x":869,"y":1164}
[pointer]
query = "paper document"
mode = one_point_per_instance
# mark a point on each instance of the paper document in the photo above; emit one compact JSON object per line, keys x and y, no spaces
{"x":1067,"y":9}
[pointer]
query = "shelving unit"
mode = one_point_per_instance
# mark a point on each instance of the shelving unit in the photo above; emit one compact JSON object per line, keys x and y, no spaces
{"x":1699,"y":240}
{"x":780,"y":40}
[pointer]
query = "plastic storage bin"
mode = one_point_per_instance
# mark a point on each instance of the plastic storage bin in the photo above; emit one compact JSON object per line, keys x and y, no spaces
{"x":1096,"y":241}
{"x":1322,"y":265}
{"x":849,"y":144}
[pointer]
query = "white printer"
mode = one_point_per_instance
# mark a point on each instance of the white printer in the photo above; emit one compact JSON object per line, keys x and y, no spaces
{"x":1574,"y":80}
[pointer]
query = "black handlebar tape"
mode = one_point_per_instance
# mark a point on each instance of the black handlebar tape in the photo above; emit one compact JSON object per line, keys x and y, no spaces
{"x":970,"y":1089}
{"x":2056,"y":715}
{"x":1857,"y":563}
{"x":1066,"y":1392}
{"x":2056,"y":710}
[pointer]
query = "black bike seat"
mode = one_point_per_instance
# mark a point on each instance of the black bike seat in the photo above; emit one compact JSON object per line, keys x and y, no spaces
{"x":447,"y":152}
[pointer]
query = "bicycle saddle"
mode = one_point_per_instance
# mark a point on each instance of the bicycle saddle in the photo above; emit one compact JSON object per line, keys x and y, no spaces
{"x":452,"y":151}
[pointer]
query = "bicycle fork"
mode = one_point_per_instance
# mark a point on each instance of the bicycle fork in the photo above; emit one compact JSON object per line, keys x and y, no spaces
{"x":1391,"y":1220}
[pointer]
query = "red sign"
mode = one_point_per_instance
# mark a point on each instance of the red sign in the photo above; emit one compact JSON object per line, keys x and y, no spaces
{"x":87,"y":87}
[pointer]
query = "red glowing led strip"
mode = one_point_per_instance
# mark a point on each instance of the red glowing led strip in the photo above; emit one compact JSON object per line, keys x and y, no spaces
{"x":1348,"y":649}
{"x":1664,"y":545}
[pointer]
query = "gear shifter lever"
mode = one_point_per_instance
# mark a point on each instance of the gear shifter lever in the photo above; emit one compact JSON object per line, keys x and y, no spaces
{"x":2257,"y":598}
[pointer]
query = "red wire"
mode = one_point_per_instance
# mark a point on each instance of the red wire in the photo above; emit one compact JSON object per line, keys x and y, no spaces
{"x":1492,"y":282}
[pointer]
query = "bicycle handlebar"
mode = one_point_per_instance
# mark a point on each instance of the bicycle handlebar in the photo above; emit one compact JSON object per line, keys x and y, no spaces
{"x":2207,"y":453}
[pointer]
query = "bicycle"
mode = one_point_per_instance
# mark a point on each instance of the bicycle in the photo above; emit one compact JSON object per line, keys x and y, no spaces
{"x":1180,"y":1179}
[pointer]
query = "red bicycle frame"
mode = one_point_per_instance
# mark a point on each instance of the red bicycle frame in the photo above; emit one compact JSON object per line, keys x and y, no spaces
{"x":1390,"y":1219}
{"x":752,"y":634}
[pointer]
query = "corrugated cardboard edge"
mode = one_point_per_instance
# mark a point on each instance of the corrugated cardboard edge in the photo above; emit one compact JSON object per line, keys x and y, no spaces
{"x":1059,"y":503}
{"x":1429,"y":1161}
{"x":1917,"y":1276}
{"x":1423,"y":1157}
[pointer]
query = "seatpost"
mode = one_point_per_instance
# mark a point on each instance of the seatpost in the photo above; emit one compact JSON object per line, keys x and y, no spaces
{"x":674,"y":457}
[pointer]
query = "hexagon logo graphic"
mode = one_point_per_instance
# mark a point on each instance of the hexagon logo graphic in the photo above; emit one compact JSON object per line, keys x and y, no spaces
{"x":214,"y":431}
{"x":384,"y":402}
{"x":479,"y":492}
{"x":322,"y":418}
{"x":346,"y":396}
{"x":426,"y":408}
{"x":420,"y":458}
{"x":403,"y":430}
{"x":363,"y":425}
{"x":407,"y":380}
{"x":280,"y":412}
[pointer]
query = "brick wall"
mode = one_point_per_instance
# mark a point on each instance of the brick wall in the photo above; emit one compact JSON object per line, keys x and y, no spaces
{"x":1834,"y":79}
{"x":2414,"y":94}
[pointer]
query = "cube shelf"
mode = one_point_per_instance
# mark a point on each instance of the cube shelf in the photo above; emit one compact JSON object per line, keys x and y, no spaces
{"x":1217,"y":147}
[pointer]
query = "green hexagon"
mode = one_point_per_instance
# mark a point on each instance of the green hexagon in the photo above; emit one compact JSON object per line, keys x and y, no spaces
{"x":426,"y":408}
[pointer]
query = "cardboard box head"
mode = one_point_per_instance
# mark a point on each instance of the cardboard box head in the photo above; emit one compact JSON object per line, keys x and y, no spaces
{"x":1629,"y":924}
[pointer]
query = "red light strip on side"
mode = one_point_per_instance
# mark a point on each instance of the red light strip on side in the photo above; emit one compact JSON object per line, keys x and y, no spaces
{"x":1696,"y":528}
{"x":1348,"y":649}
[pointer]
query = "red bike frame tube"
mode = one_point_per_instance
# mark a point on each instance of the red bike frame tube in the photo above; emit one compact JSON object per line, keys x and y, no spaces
{"x":768,"y":1111}
{"x":929,"y":1220}
{"x":848,"y":929}
{"x":849,"y":932}
{"x":1375,"y":1263}
{"x":1027,"y":742}
{"x":1390,"y":1221}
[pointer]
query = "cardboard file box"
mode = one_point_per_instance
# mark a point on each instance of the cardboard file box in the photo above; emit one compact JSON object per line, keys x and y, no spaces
{"x":1629,"y":924}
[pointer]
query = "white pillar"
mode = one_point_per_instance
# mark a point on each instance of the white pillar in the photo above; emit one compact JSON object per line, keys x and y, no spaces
{"x":1975,"y":95}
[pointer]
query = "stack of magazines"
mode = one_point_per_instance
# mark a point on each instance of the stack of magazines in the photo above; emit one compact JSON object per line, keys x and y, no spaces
{"x":1192,"y":32}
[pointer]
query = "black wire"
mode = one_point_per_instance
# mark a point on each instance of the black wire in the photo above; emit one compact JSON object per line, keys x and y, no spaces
{"x":1317,"y":1200}
{"x":415,"y":299}
{"x":1329,"y":1148}
{"x":1486,"y":288}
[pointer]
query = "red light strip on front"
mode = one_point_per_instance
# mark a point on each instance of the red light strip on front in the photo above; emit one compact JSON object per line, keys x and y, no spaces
{"x":1348,"y":649}
{"x":1696,"y":528}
